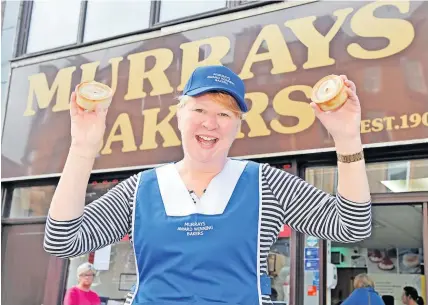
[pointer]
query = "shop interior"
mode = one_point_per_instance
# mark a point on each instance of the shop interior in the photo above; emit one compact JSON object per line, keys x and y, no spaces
{"x":392,"y":256}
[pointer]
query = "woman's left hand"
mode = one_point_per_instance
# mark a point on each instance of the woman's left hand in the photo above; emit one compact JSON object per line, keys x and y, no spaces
{"x":343,"y":124}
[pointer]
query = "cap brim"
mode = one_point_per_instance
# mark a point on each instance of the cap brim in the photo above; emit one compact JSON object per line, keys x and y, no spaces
{"x":198,"y":91}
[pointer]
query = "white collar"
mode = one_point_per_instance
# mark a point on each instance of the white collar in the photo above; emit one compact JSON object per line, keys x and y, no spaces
{"x":176,"y":197}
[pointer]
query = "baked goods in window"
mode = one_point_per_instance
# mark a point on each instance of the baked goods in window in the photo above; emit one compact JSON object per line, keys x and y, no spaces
{"x":386,"y":264}
{"x":90,"y":94}
{"x":329,"y":93}
{"x":375,"y":256}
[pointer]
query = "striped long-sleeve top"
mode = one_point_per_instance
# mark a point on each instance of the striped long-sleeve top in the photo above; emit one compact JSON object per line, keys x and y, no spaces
{"x":286,"y":199}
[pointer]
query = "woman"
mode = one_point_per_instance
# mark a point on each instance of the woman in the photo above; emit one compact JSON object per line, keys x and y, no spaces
{"x":364,"y":293}
{"x":81,"y":294}
{"x":410,"y":296}
{"x":202,"y":228}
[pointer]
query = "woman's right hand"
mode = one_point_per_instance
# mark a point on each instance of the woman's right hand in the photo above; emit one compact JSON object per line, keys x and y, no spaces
{"x":87,"y":128}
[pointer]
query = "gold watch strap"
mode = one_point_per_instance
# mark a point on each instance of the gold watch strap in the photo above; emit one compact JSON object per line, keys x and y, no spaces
{"x":350,"y":158}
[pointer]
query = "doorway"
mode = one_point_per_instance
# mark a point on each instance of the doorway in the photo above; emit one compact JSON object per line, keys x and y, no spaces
{"x":393,"y":257}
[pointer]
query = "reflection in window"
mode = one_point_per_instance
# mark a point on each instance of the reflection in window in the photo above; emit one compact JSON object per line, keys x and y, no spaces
{"x":384,"y":177}
{"x":31,"y":201}
{"x":110,"y":18}
{"x":372,"y":79}
{"x":34,"y":201}
{"x":392,"y":256}
{"x":98,"y":188}
{"x":414,"y":75}
{"x":171,"y":10}
{"x":44,"y":31}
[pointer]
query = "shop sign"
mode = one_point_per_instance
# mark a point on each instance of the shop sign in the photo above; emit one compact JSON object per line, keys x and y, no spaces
{"x":280,"y":55}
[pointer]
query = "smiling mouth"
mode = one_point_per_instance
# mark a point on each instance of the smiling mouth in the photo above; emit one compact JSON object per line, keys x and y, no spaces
{"x":206,"y":141}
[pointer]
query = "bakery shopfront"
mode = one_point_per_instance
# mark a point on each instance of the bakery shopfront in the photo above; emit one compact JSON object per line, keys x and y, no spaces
{"x":281,"y":51}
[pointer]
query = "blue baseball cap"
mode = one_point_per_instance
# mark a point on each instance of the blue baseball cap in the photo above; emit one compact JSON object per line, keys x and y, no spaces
{"x":214,"y":79}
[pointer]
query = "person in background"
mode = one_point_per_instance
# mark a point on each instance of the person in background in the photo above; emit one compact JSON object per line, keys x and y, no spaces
{"x":364,"y":292}
{"x":81,"y":293}
{"x":410,"y":296}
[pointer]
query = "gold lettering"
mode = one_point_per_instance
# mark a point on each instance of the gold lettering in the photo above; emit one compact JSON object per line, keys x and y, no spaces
{"x":126,"y":135}
{"x":317,"y":44}
{"x":114,"y":62}
{"x":89,"y":70}
{"x":152,"y":127}
{"x":39,"y":88}
{"x":283,"y":105}
{"x":365,"y":126}
{"x":156,"y":76}
{"x":377,"y":125}
{"x":278,"y":52}
{"x":219,"y":45}
{"x":388,"y":121}
{"x":399,"y":32}
{"x":254,"y":119}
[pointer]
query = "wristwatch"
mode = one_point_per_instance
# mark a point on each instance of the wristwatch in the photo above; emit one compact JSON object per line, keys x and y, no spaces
{"x":350,"y":158}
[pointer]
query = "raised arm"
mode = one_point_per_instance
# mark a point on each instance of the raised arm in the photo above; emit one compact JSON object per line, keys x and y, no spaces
{"x":311,"y":211}
{"x":345,"y":217}
{"x":72,"y":229}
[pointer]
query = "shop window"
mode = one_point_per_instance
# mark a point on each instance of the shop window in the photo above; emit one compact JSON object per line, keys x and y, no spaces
{"x":44,"y":32}
{"x":116,"y":271}
{"x":110,"y":18}
{"x":171,"y":10}
{"x":392,"y":257}
{"x":384,"y":177}
{"x":34,"y":201}
{"x":31,"y":201}
{"x":279,"y":268}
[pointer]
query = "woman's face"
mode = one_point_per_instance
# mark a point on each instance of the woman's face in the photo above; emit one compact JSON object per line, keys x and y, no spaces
{"x":208,"y":129}
{"x":86,"y":278}
{"x":405,"y":299}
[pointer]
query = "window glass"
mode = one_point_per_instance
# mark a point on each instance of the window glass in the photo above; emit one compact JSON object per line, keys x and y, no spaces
{"x":111,"y":18}
{"x":279,"y":268}
{"x":171,"y":10}
{"x":384,"y":177}
{"x":53,"y":24}
{"x":116,"y":271}
{"x":392,"y":257}
{"x":115,"y":264}
{"x":311,"y":270}
{"x":31,"y":201}
{"x":34,"y":201}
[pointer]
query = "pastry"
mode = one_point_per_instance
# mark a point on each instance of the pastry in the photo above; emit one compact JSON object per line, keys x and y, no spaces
{"x":375,"y":256}
{"x":89,"y":94}
{"x":410,"y":260}
{"x":386,"y":264}
{"x":329,"y":93}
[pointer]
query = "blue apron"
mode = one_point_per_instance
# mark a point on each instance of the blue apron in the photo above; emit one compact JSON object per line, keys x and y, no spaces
{"x":198,"y":258}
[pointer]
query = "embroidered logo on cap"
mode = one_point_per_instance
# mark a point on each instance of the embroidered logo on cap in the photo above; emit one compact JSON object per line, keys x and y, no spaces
{"x":221,"y":78}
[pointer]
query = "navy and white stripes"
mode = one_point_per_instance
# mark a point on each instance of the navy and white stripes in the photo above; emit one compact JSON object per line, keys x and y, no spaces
{"x":286,"y":199}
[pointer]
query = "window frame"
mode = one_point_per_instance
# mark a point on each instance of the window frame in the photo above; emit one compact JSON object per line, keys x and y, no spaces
{"x":154,"y":24}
